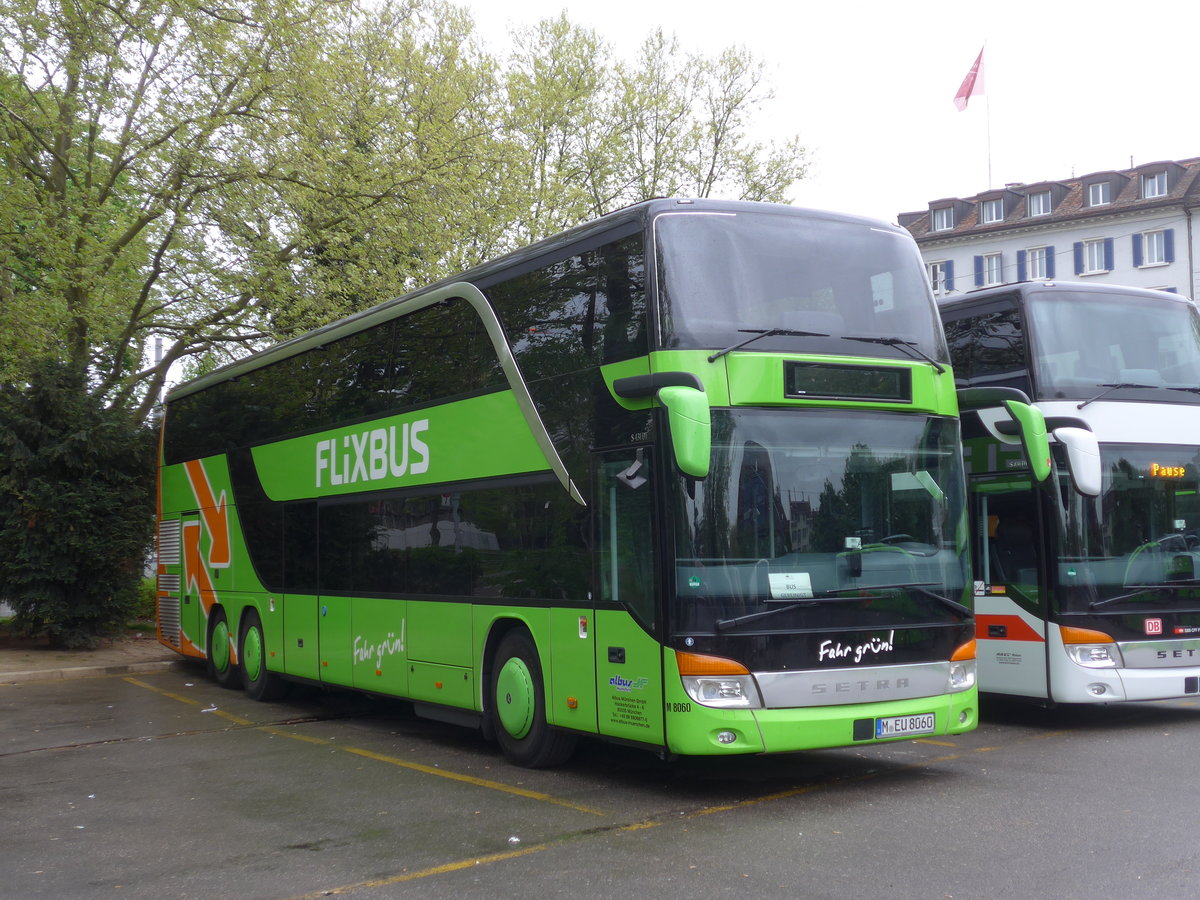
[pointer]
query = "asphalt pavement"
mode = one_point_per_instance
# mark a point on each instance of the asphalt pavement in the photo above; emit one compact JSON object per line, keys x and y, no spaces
{"x":131,"y":654}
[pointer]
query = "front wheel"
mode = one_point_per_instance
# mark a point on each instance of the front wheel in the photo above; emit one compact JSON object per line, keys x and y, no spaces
{"x":259,"y":681}
{"x":517,"y":706}
{"x":220,"y":658}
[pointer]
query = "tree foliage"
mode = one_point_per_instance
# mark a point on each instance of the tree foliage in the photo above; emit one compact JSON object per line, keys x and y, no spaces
{"x":76,"y":508}
{"x":225,"y":175}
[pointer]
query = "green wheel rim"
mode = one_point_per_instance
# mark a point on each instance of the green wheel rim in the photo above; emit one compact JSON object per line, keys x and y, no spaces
{"x":252,"y":655}
{"x":515,"y":698}
{"x":220,"y":646}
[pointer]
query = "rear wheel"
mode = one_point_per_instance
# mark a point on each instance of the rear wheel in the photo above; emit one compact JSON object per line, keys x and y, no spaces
{"x":260,"y":682}
{"x":220,"y":659}
{"x":517,"y":706}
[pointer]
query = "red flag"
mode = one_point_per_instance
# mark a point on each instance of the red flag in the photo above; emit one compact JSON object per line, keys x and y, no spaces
{"x":971,"y":85}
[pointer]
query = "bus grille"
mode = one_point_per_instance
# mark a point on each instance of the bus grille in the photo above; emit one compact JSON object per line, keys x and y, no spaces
{"x":168,"y":542}
{"x":168,"y":620}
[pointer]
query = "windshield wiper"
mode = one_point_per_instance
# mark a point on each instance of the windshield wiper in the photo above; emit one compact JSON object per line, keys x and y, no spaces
{"x":762,"y":333}
{"x":835,"y":596}
{"x":1109,"y":388}
{"x":1190,"y":390}
{"x":1144,"y":588}
{"x":910,"y":346}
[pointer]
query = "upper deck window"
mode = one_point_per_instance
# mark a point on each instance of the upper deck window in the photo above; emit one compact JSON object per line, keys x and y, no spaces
{"x":1083,"y":341}
{"x":721,"y":275}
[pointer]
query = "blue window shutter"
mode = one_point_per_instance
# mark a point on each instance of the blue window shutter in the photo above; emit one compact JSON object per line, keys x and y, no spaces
{"x":1108,"y":254}
{"x":979,"y":271}
{"x":949,"y":275}
{"x":1169,"y":244}
{"x":1137,"y":251}
{"x":1079,"y":257}
{"x":1049,"y":262}
{"x":1020,"y":265}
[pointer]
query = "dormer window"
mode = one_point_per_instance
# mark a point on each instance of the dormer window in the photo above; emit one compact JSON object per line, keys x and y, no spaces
{"x":943,"y":218}
{"x":1154,"y":185}
{"x":991,"y":211}
{"x":1099,"y":193}
{"x":1039,"y":204}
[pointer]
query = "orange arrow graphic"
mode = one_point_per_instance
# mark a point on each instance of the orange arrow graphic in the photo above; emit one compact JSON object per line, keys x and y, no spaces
{"x":197,"y":575}
{"x":214,"y":511}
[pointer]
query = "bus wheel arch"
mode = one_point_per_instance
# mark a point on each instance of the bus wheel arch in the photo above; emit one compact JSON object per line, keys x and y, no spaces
{"x":259,"y":682}
{"x":515,"y":702}
{"x":221,"y":667}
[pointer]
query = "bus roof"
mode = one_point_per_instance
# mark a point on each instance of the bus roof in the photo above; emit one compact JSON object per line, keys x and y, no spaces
{"x":620,"y":223}
{"x":1030,"y":288}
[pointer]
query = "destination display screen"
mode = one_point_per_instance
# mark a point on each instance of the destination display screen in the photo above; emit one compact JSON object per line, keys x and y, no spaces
{"x":822,"y":381}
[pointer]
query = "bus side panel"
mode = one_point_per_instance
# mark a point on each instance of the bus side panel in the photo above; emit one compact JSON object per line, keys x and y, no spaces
{"x":301,"y":643}
{"x":378,"y":645}
{"x":1012,"y":647}
{"x":439,"y":632}
{"x":334,"y":640}
{"x":629,"y":685}
{"x":571,"y":673}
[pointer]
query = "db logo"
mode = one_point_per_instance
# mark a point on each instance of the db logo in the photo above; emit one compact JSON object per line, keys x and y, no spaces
{"x":1154,"y":626}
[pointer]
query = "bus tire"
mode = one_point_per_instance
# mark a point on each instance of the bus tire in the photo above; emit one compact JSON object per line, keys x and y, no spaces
{"x":517,"y":706}
{"x":260,"y":683}
{"x":221,"y":667}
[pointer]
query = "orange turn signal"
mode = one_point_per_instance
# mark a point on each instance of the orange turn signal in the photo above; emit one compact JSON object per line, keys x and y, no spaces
{"x":964,"y":651}
{"x":697,"y":664}
{"x":1071,"y":635}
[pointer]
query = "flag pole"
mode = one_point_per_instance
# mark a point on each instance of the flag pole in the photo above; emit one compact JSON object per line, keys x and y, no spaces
{"x":987,"y":103}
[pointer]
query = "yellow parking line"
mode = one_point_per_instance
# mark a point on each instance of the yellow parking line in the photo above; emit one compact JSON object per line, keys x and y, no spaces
{"x":219,"y":713}
{"x":380,"y":757}
{"x":425,"y":873}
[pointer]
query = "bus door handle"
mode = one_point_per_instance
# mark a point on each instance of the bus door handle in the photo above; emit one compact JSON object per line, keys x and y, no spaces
{"x":616,"y":655}
{"x":997,"y":631}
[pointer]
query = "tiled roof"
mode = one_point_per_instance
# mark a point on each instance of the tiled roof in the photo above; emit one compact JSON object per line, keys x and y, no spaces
{"x":1069,"y":205}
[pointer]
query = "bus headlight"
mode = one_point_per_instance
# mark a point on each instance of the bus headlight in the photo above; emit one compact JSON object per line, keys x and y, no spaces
{"x":963,"y":667}
{"x":731,"y":692}
{"x":1095,"y":656}
{"x":719,"y":682}
{"x":1091,"y":649}
{"x":962,"y":675}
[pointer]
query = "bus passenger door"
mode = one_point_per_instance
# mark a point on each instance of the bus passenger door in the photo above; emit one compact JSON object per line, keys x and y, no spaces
{"x":1010,"y":590}
{"x":628,"y":657}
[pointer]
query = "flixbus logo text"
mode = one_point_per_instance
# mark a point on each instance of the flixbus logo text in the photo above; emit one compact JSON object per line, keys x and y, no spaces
{"x":391,"y":452}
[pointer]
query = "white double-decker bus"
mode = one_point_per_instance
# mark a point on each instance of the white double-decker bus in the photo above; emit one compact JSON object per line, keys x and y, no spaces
{"x":1087,"y":586}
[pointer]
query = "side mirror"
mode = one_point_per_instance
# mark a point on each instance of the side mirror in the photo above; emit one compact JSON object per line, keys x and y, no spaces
{"x":690,"y":424}
{"x":1028,"y":422}
{"x":1031,"y":425}
{"x":1083,"y":459}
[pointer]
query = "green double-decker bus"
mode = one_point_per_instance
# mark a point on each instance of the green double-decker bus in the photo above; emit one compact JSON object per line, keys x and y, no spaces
{"x":688,"y":476}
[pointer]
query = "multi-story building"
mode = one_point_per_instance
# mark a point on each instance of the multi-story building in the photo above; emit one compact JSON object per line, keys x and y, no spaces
{"x":1134,"y":227}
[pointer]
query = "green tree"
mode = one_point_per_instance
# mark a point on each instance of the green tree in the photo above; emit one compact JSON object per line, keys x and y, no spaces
{"x":222,"y":175}
{"x":589,"y":133}
{"x":76,"y":508}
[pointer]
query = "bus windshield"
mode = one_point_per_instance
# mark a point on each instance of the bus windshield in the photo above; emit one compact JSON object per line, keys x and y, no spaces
{"x":846,"y":283}
{"x":1138,"y":348}
{"x":821,"y":519}
{"x":1141,"y":536}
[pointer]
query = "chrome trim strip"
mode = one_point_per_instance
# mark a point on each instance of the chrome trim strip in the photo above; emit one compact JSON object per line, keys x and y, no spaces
{"x":837,"y":687}
{"x":1160,"y":654}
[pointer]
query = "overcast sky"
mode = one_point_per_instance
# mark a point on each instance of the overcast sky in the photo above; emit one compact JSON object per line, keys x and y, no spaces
{"x":1071,"y":88}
